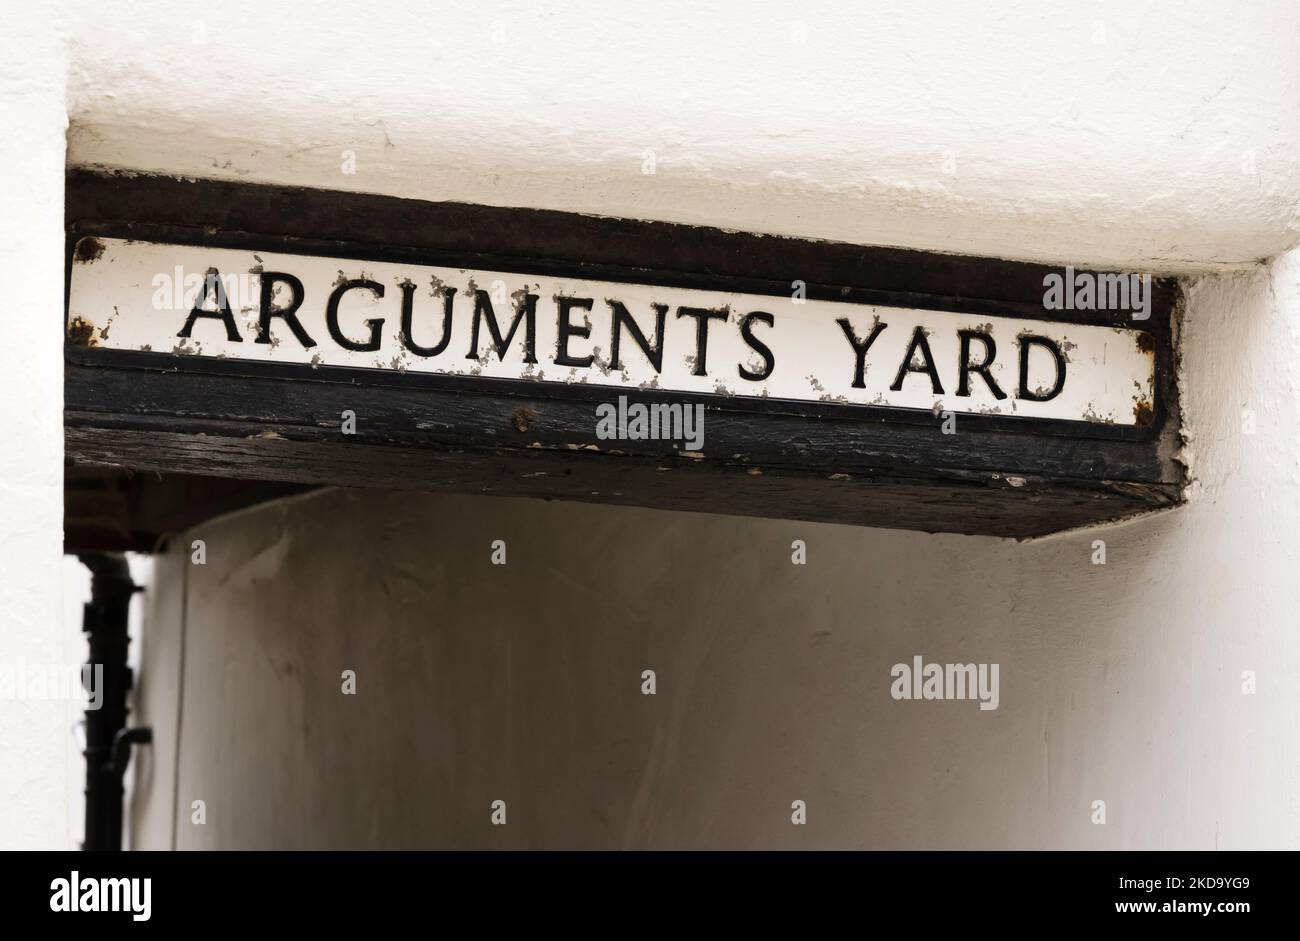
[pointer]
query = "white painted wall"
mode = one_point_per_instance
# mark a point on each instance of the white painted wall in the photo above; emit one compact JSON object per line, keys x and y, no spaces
{"x":1119,"y":682}
{"x":1173,"y":144}
{"x":1160,"y":133}
{"x":34,"y":757}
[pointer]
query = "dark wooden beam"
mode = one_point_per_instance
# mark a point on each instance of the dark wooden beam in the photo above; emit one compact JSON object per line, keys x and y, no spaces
{"x":122,"y":507}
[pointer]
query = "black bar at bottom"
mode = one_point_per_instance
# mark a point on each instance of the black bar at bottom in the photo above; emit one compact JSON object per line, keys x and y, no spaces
{"x":660,"y":891}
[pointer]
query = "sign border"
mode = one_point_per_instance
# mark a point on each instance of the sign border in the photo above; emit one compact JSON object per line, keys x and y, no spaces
{"x":593,"y":392}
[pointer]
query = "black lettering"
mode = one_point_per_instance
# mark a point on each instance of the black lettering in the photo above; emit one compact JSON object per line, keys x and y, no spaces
{"x":1026,"y":341}
{"x":702,"y":317}
{"x":526,"y":313}
{"x":967,"y":367}
{"x":332,"y":316}
{"x":408,"y":317}
{"x":564,"y":328}
{"x":919,"y":342}
{"x":623,"y":319}
{"x":223,"y":312}
{"x":860,"y":347}
{"x":757,"y":345}
{"x":288,"y":314}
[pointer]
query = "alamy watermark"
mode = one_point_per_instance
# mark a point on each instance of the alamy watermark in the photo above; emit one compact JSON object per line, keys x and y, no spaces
{"x":78,"y":893}
{"x":211,"y":291}
{"x":920,"y":680}
{"x":1087,"y":290}
{"x":658,"y":422}
{"x":42,"y":681}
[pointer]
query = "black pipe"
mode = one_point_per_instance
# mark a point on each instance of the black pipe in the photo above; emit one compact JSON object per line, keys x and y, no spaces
{"x":109,"y":678}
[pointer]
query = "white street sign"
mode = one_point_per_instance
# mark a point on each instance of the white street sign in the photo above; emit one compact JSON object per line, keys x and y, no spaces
{"x":273,"y":307}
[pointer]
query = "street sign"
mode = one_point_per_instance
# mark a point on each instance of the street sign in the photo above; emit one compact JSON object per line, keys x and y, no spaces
{"x":226,"y":335}
{"x":177,"y":302}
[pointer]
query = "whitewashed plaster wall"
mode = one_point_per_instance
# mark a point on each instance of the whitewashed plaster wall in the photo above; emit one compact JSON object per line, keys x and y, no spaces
{"x":34,"y":732}
{"x":1161,"y":133}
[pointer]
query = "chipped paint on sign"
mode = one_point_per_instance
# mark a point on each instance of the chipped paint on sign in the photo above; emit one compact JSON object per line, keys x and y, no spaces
{"x":271,"y":307}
